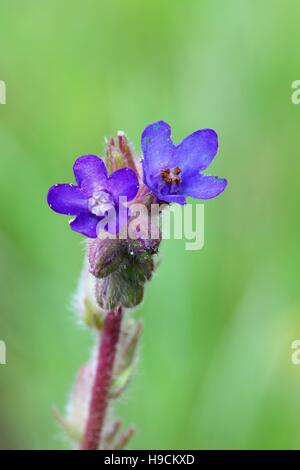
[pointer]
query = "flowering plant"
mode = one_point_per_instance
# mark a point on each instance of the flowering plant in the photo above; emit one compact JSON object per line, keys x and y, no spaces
{"x":117,"y":266}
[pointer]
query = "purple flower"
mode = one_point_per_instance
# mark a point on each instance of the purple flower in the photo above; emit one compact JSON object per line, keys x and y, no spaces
{"x":96,"y":195}
{"x":174,"y":171}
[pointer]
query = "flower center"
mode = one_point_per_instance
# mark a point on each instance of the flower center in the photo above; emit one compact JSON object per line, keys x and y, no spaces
{"x":100,"y":202}
{"x":171,"y":175}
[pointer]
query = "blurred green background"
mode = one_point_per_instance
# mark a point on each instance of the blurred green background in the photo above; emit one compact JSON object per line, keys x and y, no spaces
{"x":215,"y":369}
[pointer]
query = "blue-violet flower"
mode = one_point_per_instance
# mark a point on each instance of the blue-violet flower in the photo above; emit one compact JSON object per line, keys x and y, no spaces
{"x":95,"y":196}
{"x":173,"y":172}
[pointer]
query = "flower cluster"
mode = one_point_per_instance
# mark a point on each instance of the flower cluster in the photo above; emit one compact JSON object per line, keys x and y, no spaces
{"x":106,"y":190}
{"x":170,"y":172}
{"x":116,"y":268}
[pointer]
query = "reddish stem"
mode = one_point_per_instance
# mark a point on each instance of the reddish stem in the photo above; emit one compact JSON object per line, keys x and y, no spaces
{"x":103,"y":378}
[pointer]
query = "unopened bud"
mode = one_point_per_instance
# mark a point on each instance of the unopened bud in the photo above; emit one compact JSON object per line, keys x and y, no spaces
{"x":120,"y":154}
{"x":126,"y":151}
{"x":115,"y":290}
{"x":105,"y":256}
{"x":113,"y":158}
{"x":142,"y":245}
{"x":125,"y":286}
{"x":107,"y":292}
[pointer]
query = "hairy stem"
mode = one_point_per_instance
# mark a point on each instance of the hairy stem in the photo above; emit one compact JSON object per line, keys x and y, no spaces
{"x":100,"y":392}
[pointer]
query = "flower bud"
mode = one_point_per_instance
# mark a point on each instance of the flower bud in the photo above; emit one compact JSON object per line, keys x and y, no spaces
{"x":119,"y":155}
{"x":105,"y":256}
{"x":143,"y":245}
{"x":126,"y":151}
{"x":116,"y":289}
{"x":107,"y":292}
{"x":125,"y":286}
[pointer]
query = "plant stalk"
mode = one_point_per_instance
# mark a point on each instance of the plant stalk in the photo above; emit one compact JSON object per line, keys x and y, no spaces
{"x":100,"y":392}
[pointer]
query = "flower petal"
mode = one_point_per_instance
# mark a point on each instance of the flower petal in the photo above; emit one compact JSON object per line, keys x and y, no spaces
{"x":157,"y":146}
{"x":90,"y":173}
{"x":67,"y":199}
{"x":174,"y":198}
{"x":123,"y":182}
{"x":196,"y":151}
{"x":86,"y":224}
{"x":203,"y":186}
